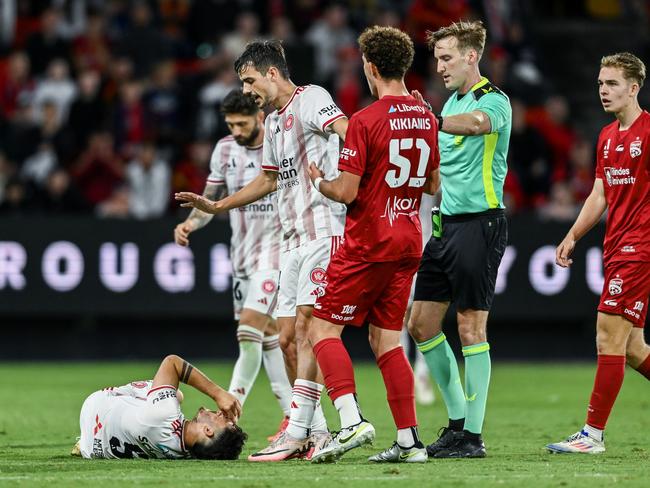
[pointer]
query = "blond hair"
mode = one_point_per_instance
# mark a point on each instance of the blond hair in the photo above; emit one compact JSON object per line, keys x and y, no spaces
{"x":632,"y":67}
{"x":470,"y":35}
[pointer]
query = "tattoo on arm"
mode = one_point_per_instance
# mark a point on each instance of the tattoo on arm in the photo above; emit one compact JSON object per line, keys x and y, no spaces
{"x":214,"y":193}
{"x":186,"y":371}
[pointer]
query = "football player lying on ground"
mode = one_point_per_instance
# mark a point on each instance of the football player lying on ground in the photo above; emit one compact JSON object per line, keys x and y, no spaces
{"x":143,"y":419}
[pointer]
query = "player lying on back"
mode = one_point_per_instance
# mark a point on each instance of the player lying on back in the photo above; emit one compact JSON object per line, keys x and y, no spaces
{"x":622,"y":187}
{"x":143,"y":419}
{"x":390,"y":158}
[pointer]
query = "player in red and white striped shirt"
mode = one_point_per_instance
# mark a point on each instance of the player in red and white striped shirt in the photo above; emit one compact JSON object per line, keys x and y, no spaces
{"x":144,"y":420}
{"x":306,"y":126}
{"x":255,"y":249}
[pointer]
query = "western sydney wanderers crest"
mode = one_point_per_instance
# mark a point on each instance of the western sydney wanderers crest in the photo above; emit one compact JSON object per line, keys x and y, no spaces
{"x":268,"y":286}
{"x":288,"y":123}
{"x":615,"y":286}
{"x":635,"y":149}
{"x":317,"y":276}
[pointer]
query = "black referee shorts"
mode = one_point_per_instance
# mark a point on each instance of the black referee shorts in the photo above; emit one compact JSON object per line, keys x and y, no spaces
{"x":462,"y":265}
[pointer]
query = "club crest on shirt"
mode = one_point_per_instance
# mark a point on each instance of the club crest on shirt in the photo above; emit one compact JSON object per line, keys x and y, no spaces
{"x":615,"y":286}
{"x":268,"y":286}
{"x":635,"y":149}
{"x":288,"y":123}
{"x":317,"y":276}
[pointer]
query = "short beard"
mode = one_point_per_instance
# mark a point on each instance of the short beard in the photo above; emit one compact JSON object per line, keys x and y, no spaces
{"x":250,"y":139}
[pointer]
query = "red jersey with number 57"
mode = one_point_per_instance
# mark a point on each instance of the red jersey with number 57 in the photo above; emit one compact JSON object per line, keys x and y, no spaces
{"x":624,"y":165}
{"x":393,"y":146}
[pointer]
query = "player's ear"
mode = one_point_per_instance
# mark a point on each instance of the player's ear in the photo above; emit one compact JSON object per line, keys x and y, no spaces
{"x":208,"y":431}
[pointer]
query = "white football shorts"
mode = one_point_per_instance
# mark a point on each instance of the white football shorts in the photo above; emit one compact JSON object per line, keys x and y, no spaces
{"x":302,"y":273}
{"x":259,"y":292}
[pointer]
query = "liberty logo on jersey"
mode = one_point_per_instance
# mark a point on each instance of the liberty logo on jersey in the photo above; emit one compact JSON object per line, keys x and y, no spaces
{"x":399,"y":206}
{"x":615,"y":286}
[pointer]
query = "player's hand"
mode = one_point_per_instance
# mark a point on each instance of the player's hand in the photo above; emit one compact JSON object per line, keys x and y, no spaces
{"x":314,"y":172}
{"x":418,"y":96}
{"x":228,"y":404}
{"x":182,"y":233}
{"x":564,"y":251}
{"x":199,"y":202}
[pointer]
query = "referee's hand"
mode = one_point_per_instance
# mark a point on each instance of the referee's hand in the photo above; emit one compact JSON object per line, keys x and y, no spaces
{"x":564,"y":251}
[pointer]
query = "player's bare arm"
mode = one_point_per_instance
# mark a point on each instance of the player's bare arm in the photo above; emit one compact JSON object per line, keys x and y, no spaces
{"x":197,"y":218}
{"x":590,"y":214}
{"x":340,"y":127}
{"x":432,"y":185}
{"x":343,"y":189}
{"x":174,"y":370}
{"x":469,"y":124}
{"x":265,"y":183}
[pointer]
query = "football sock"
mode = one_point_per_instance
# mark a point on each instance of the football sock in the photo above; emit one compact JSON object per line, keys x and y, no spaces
{"x":607,"y":384}
{"x":336,"y":366}
{"x":319,"y":423}
{"x":248,"y":363}
{"x":593,"y":432}
{"x":456,"y":425}
{"x":477,"y":382}
{"x":405,"y":340}
{"x":348,"y":410}
{"x":274,"y":365}
{"x":400,"y":387}
{"x":444,"y":369}
{"x":644,"y":367}
{"x":306,"y":395}
{"x":408,"y":437}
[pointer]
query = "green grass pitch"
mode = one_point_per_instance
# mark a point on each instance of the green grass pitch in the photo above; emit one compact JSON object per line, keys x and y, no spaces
{"x":529,"y":405}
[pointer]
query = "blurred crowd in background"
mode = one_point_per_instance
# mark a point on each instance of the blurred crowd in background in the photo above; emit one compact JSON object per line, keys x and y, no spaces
{"x":108,"y":107}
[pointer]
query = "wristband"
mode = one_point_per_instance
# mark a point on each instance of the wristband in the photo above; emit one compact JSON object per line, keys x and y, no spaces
{"x":317,"y":183}
{"x":439,"y":117}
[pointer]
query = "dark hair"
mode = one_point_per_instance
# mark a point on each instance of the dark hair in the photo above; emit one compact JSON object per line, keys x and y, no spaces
{"x":389,"y":49}
{"x":261,"y":55}
{"x":236,"y":102}
{"x":226,"y":446}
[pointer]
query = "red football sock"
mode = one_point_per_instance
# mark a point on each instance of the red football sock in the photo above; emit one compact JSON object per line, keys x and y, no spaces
{"x":644,"y":367}
{"x":609,"y":378}
{"x":400,"y":387}
{"x":336,"y":366}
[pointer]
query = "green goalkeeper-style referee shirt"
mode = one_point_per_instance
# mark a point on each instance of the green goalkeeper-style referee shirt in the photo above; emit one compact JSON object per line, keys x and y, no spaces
{"x":473,"y":168}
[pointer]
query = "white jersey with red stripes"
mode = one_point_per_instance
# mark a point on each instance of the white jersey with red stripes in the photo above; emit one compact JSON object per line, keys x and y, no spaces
{"x":297,"y":134}
{"x":256,"y":230}
{"x":133,"y":420}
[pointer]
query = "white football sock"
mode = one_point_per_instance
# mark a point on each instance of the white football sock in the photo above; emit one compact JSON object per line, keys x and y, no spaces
{"x":420,"y":367}
{"x":318,"y":422}
{"x":348,"y":409}
{"x":306,"y":394}
{"x":248,"y":363}
{"x":277,"y":373}
{"x":407,"y":437}
{"x":594,"y":433}
{"x":405,"y":340}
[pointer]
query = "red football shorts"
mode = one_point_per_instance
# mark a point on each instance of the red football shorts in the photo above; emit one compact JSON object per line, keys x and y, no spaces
{"x":357,"y":292}
{"x":626,"y":290}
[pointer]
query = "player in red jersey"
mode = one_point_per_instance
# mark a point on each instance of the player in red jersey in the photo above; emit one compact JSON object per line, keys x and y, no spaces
{"x":622,"y":187}
{"x":390,"y":158}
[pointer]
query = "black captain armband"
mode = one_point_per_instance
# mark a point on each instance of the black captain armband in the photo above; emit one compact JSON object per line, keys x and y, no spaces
{"x":440,"y":119}
{"x":186,"y":372}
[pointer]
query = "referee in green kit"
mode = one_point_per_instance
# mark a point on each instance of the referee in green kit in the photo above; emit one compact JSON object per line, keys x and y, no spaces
{"x":461,"y":260}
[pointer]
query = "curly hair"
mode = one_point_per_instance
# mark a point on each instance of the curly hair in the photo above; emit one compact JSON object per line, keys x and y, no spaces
{"x":261,"y":55}
{"x":632,"y":67}
{"x":226,"y":446}
{"x":237,"y":102}
{"x":389,"y":49}
{"x":470,"y":35}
